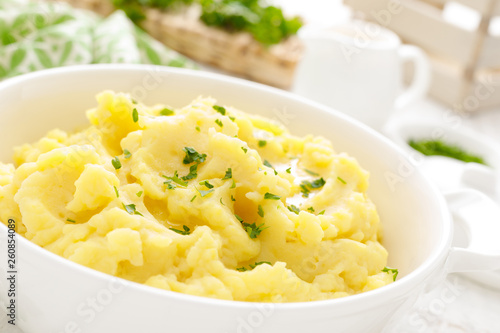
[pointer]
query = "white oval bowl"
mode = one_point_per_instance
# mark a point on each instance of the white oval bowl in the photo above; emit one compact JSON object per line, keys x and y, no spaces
{"x":56,"y":295}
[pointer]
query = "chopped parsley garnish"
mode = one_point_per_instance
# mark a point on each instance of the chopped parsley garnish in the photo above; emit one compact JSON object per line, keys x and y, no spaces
{"x":260,"y":211}
{"x":259,"y":263}
{"x":232,"y":118}
{"x":262,"y":143}
{"x":232,"y":198}
{"x":438,"y":147}
{"x":169,"y":184}
{"x":320,"y":182}
{"x":219,"y":122}
{"x":135,"y":115}
{"x":220,"y":109}
{"x":267,"y":164}
{"x":131,"y":209}
{"x":252,"y":229}
{"x":244,"y":149}
{"x":305,"y":190}
{"x":193,"y":156}
{"x":192,"y":199}
{"x":233,"y":185}
{"x":133,"y":101}
{"x":341,"y":180}
{"x":312,"y":173}
{"x":205,"y":193}
{"x":116,"y":192}
{"x":186,"y":230}
{"x":197,"y":128}
{"x":70,"y":220}
{"x":289,"y":170}
{"x":193,"y":172}
{"x":207,"y":184}
{"x":229,"y":174}
{"x":175,"y":178}
{"x":322,"y":212}
{"x":244,"y":269}
{"x":139,"y":193}
{"x":116,"y":163}
{"x":166,"y":112}
{"x":311,"y":209}
{"x":221,"y":202}
{"x":306,"y":186}
{"x":271,"y":196}
{"x":394,"y":272}
{"x":126,"y":153}
{"x":293,"y":209}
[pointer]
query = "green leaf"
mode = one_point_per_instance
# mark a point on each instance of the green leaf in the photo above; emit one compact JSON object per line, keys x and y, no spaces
{"x":166,"y":112}
{"x":312,"y":173}
{"x":204,"y":193}
{"x":68,"y":47}
{"x":207,"y":184}
{"x":186,"y":230}
{"x":153,"y":57}
{"x":253,"y":230}
{"x":260,"y":211}
{"x":220,"y":109}
{"x":193,"y":156}
{"x":293,"y":209}
{"x":267,"y":164}
{"x":175,"y":178}
{"x":63,"y":18}
{"x":389,"y":270}
{"x":3,"y":72}
{"x":271,"y":196}
{"x":20,"y":21}
{"x":259,"y":263}
{"x":17,"y":58}
{"x":116,"y":163}
{"x":131,"y":209}
{"x":229,"y":174}
{"x":44,"y":58}
{"x":135,"y":115}
{"x":193,"y":172}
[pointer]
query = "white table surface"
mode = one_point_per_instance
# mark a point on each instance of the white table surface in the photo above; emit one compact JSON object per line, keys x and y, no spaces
{"x":458,"y":304}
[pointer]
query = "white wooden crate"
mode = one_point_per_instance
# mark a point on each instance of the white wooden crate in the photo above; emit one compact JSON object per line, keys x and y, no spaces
{"x":466,"y":63}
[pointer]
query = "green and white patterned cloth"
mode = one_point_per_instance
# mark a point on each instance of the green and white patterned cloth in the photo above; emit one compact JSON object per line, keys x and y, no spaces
{"x":37,"y":35}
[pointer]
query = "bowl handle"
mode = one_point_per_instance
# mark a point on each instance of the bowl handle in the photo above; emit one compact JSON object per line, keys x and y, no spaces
{"x":476,"y":217}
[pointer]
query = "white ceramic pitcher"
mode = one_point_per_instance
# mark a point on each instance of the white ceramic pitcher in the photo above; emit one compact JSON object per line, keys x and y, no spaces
{"x":356,"y":68}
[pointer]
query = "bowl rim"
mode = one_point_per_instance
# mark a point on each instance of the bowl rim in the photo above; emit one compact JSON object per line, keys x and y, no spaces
{"x":367,"y":299}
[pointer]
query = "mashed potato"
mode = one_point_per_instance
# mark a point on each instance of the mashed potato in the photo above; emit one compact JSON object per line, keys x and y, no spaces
{"x":204,"y":200}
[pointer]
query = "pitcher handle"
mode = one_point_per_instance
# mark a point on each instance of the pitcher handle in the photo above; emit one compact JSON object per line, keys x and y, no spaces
{"x":422,"y":76}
